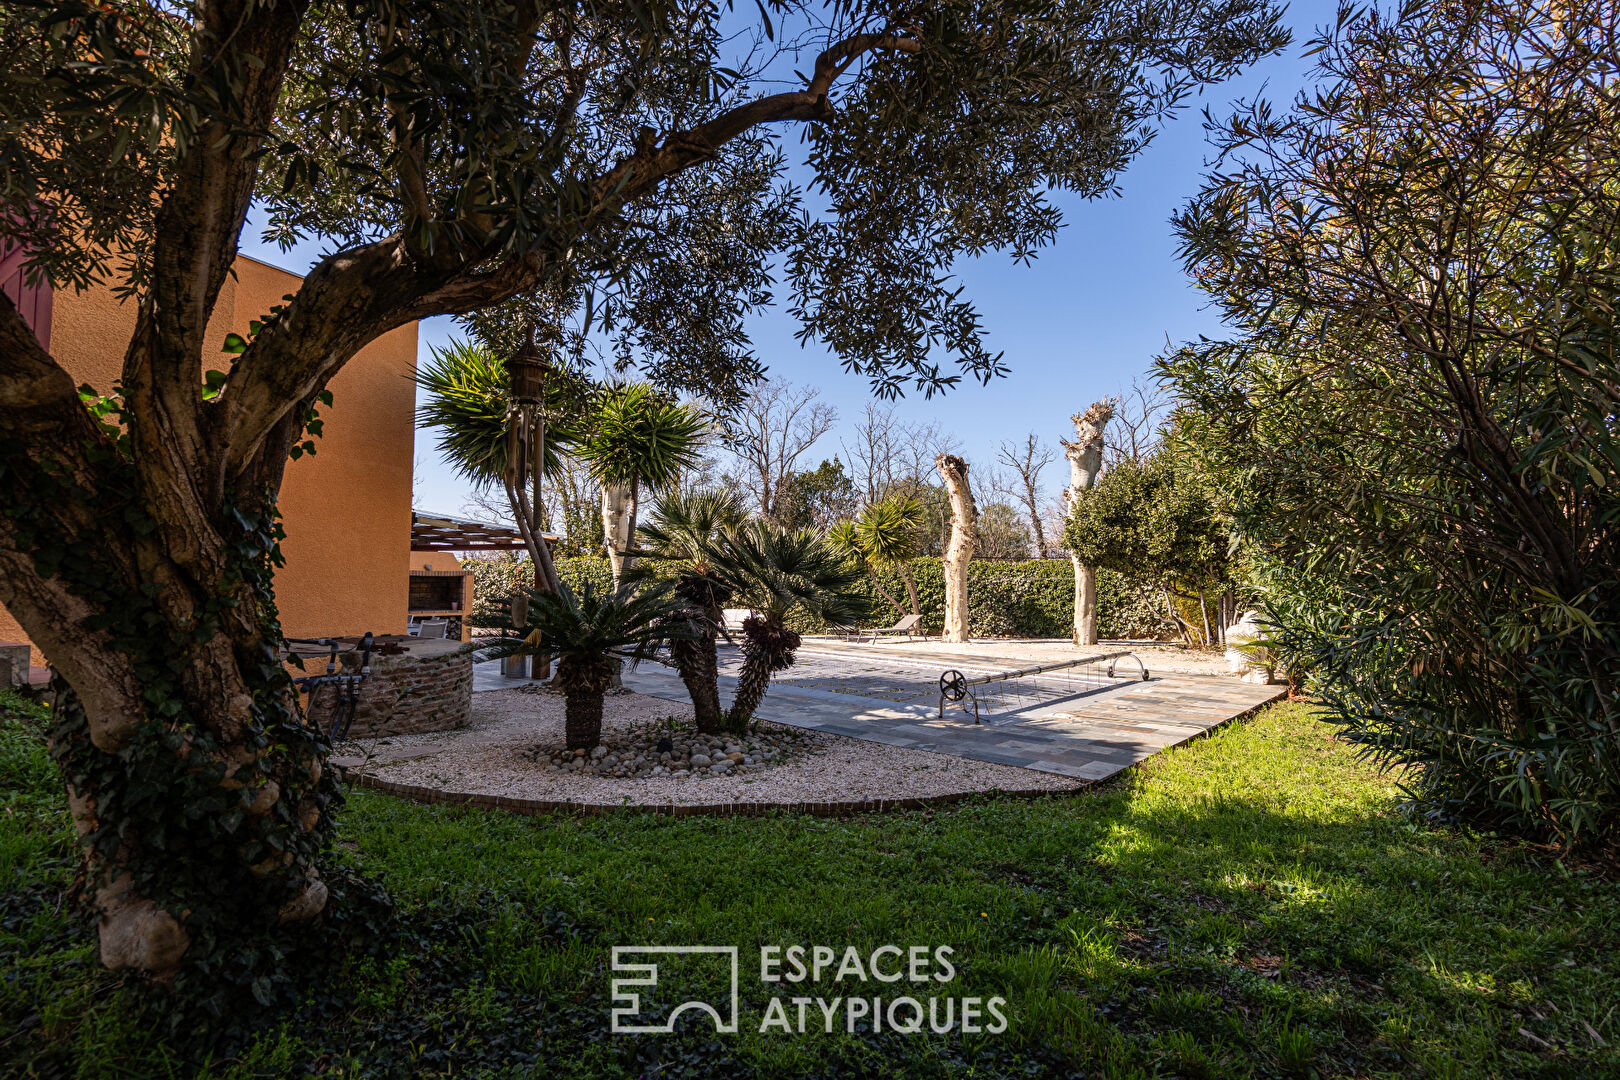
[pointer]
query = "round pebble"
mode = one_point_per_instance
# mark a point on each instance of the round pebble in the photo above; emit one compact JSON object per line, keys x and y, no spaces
{"x":652,"y":750}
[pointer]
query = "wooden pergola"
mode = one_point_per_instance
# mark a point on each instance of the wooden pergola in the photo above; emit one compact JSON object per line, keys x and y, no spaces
{"x":441,"y":532}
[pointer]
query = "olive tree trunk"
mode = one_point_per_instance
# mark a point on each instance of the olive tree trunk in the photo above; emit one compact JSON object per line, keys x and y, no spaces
{"x":137,"y":545}
{"x":1085,"y":462}
{"x":959,"y":548}
{"x":197,"y":789}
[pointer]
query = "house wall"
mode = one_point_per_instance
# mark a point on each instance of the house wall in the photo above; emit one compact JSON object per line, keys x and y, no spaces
{"x":346,"y":510}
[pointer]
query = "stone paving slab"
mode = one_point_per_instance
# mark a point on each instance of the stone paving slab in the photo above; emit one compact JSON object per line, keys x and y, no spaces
{"x":1071,"y":728}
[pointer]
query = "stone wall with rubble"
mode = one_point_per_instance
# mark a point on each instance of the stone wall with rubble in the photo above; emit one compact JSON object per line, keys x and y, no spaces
{"x":426,"y":686}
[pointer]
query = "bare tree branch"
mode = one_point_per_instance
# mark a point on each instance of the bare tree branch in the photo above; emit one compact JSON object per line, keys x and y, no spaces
{"x":776,"y":425}
{"x":1027,"y":461}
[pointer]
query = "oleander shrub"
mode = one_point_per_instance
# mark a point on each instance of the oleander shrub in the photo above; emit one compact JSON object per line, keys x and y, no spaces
{"x":1415,"y":419}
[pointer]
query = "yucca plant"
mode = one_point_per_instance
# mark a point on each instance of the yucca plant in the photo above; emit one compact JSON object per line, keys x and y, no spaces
{"x":683,"y":535}
{"x":890,"y":534}
{"x":844,"y":538}
{"x":776,"y":572}
{"x":590,"y":632}
{"x":467,"y":402}
{"x":637,"y":438}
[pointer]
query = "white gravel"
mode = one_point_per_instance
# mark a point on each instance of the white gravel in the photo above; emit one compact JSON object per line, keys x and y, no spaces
{"x":495,"y":755}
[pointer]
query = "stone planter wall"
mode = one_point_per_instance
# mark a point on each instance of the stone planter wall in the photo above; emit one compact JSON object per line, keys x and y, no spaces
{"x":428,"y":687}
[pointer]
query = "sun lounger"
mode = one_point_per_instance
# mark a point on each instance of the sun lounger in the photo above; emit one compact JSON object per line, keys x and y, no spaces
{"x":906,"y":626}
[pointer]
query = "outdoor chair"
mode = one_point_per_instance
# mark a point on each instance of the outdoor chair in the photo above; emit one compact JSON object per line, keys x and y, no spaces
{"x":432,"y":628}
{"x":732,"y":618}
{"x":906,"y":626}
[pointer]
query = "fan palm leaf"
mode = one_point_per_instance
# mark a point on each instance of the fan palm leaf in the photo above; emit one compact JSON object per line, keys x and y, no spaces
{"x":776,"y":572}
{"x":682,"y":535}
{"x":682,"y":527}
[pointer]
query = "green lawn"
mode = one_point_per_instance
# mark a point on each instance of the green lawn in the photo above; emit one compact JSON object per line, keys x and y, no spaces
{"x":1249,"y":905}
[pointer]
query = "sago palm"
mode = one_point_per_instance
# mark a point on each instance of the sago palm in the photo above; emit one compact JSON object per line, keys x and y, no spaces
{"x":684,"y":535}
{"x":777,"y":572}
{"x":589,"y":633}
{"x":636,"y":439}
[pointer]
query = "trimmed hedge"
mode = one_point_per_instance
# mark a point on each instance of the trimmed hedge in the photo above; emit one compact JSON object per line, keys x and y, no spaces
{"x":498,"y":578}
{"x":1031,"y":598}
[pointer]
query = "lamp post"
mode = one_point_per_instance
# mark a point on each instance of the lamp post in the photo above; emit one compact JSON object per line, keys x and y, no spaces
{"x":525,"y":470}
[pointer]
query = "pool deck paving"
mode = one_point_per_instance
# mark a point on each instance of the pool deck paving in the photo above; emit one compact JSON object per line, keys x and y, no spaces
{"x":1081,"y":724}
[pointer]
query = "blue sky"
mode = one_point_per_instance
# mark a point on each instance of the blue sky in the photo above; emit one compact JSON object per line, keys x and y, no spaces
{"x":1081,"y":322}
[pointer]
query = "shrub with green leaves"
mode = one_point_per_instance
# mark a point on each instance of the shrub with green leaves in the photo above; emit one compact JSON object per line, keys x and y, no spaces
{"x":1031,"y":598}
{"x":1415,"y":424}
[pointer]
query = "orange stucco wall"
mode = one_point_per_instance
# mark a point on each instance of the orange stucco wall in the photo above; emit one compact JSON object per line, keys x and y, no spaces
{"x":434,"y":560}
{"x":347,"y":509}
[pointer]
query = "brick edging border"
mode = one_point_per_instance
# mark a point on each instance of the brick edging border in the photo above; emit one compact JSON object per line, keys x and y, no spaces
{"x":536,"y":807}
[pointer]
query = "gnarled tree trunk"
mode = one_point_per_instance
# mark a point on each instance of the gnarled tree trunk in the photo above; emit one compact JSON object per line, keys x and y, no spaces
{"x":137,"y":554}
{"x":196,"y":787}
{"x":959,"y":548}
{"x":1085,"y":462}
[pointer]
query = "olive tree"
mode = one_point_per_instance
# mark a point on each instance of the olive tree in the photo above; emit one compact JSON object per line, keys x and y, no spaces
{"x":617,"y":159}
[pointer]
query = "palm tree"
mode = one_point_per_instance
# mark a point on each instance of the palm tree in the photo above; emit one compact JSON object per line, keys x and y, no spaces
{"x":684,"y":535}
{"x":844,"y":538}
{"x":636,"y":438}
{"x":777,"y":572}
{"x":591,"y":632}
{"x":886,"y":533}
{"x":468,"y":401}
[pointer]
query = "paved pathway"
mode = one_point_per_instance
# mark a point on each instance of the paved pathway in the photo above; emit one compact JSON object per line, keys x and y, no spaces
{"x":1080,"y":724}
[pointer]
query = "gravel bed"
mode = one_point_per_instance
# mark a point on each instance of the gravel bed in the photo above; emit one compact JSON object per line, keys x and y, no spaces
{"x":666,"y":747}
{"x":508,"y":750}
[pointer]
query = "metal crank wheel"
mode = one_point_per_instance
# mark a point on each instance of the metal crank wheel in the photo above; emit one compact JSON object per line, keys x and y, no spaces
{"x":953,"y":686}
